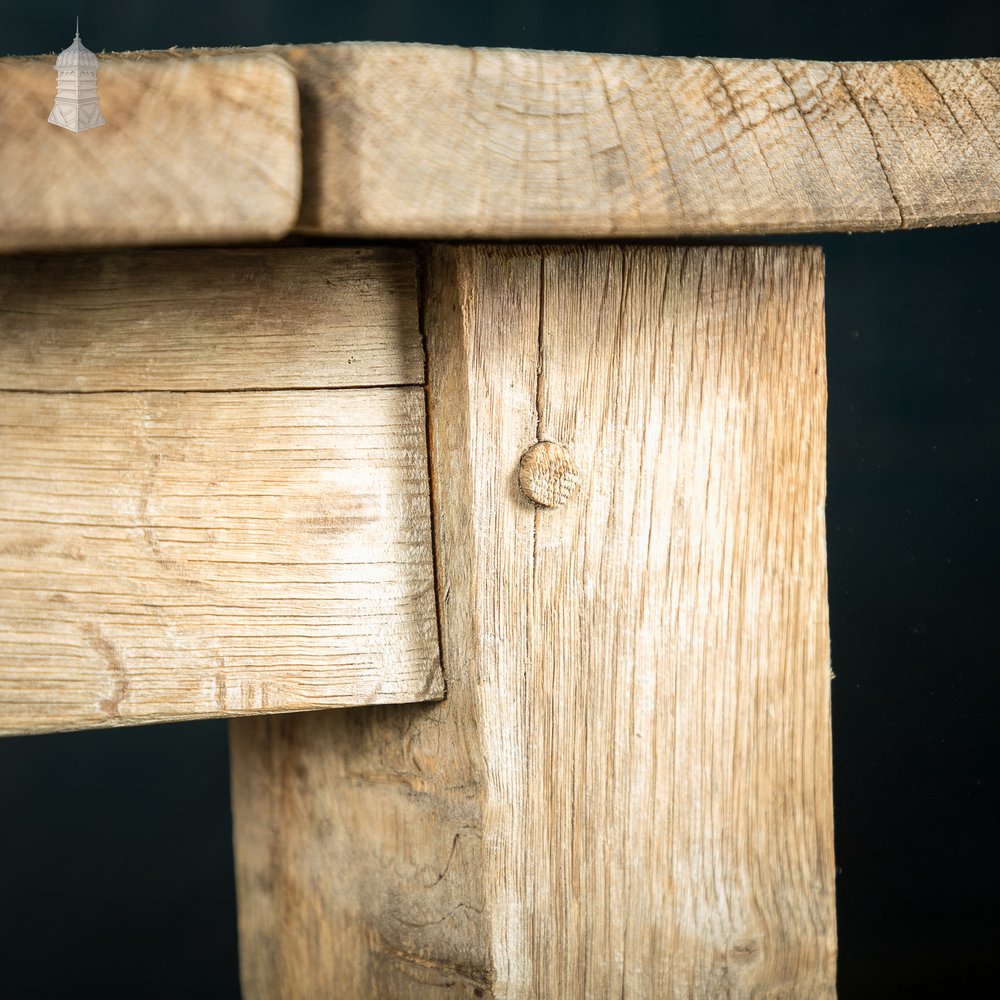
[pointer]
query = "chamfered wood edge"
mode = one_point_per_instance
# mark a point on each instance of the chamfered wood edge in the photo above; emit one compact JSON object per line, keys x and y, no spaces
{"x":671,"y":147}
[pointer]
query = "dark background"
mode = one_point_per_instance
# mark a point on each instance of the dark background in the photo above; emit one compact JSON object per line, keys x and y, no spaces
{"x":115,"y":853}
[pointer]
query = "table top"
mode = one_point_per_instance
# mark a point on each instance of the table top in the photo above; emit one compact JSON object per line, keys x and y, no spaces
{"x":402,"y":141}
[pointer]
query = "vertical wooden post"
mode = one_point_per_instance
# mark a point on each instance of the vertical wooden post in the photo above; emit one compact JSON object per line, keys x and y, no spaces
{"x":627,"y":790}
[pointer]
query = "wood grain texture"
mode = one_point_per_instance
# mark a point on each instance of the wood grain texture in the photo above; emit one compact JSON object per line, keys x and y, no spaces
{"x":627,"y":790}
{"x":176,"y":555}
{"x":194,"y":150}
{"x":438,"y":142}
{"x":424,"y":141}
{"x":210,"y":319}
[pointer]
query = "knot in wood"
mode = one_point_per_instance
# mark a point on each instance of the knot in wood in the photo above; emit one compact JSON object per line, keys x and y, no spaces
{"x":547,"y":474}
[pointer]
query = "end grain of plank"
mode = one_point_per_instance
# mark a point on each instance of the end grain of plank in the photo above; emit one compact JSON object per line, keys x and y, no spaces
{"x":442,"y":143}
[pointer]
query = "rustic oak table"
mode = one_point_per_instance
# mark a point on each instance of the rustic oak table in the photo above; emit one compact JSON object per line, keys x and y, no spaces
{"x":539,"y":525}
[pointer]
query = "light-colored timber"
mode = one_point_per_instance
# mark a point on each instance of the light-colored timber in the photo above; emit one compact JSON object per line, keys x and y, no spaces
{"x":627,"y":791}
{"x":174,"y":554}
{"x":177,"y":555}
{"x":212,"y":319}
{"x":424,"y":141}
{"x":548,"y":474}
{"x":193,"y":151}
{"x":430,"y":141}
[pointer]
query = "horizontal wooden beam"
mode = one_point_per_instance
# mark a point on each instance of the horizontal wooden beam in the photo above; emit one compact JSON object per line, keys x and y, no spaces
{"x":434,"y":142}
{"x":214,"y":493}
{"x":428,"y":141}
{"x":272,"y":318}
{"x":194,"y":151}
{"x":170,"y":556}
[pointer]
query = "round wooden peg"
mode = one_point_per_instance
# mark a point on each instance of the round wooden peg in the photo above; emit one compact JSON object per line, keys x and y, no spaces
{"x":547,"y":474}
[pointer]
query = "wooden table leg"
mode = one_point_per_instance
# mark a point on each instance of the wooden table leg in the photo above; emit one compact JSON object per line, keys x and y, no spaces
{"x":627,"y":790}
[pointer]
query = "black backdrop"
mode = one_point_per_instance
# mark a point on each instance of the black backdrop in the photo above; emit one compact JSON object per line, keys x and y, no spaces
{"x":115,"y":854}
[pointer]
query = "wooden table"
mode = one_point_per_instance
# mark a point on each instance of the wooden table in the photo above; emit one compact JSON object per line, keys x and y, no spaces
{"x":568,"y":727}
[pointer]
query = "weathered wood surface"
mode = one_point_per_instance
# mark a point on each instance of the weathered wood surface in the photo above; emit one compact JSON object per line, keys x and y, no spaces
{"x":627,"y":790}
{"x":211,"y":319}
{"x":194,"y":150}
{"x":168,"y":555}
{"x":423,"y":141}
{"x":429,"y":141}
{"x":175,"y":555}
